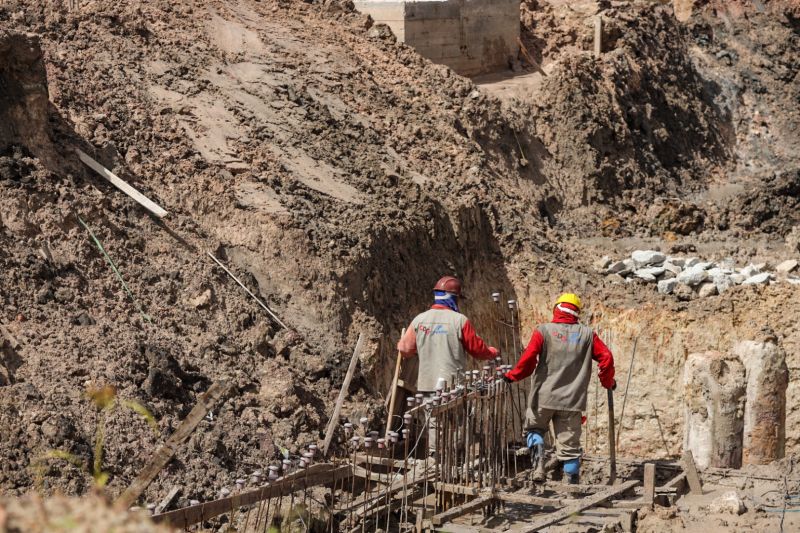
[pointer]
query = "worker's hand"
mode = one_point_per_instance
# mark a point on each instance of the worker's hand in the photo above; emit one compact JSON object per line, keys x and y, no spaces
{"x":494,"y":351}
{"x":613,"y":386}
{"x":507,"y":379}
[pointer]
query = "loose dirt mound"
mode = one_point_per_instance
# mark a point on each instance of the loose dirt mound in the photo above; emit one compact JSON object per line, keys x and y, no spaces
{"x":32,"y":514}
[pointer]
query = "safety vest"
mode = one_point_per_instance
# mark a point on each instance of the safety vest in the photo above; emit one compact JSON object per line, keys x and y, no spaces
{"x":439,"y":348}
{"x":561,"y":378}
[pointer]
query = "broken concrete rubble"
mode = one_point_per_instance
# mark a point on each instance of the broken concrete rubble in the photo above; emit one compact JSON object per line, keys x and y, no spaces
{"x":787,"y":266}
{"x":648,"y":257}
{"x":703,"y":278}
{"x":728,"y":503}
{"x":707,"y":288}
{"x":758,"y":279}
{"x":692,"y":276}
{"x":666,"y":286}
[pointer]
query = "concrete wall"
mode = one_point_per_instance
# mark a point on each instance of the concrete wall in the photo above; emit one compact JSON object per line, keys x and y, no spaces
{"x":470,"y":36}
{"x":387,"y":12}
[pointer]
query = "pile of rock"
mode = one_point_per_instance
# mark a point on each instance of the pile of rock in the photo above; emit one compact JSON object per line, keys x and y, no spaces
{"x":688,"y":276}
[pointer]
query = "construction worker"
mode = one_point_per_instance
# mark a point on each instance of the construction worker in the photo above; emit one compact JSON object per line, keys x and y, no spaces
{"x":559,"y":355}
{"x":441,"y":337}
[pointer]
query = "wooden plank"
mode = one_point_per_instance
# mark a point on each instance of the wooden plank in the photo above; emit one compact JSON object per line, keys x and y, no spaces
{"x":695,"y":487}
{"x":372,"y":476}
{"x":253,"y":296}
{"x":362,"y":458}
{"x":581,"y":505}
{"x":318,"y":474}
{"x":598,"y":36}
{"x":674,"y":483}
{"x":461,"y":510}
{"x":607,"y":519}
{"x":167,"y":501}
{"x":456,"y":489}
{"x":677,"y":487}
{"x":530,"y":499}
{"x":163,"y":455}
{"x":567,"y":487}
{"x":649,"y":483}
{"x":337,"y":410}
{"x":626,"y":504}
{"x":120,"y":184}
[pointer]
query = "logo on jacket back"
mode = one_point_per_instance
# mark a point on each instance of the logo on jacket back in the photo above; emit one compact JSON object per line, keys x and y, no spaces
{"x":438,"y":329}
{"x":571,"y":338}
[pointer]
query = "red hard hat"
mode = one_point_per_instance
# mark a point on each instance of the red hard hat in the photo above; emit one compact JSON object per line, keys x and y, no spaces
{"x":449,"y":284}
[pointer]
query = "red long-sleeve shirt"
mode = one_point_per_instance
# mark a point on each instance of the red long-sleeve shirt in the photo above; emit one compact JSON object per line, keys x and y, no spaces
{"x":530,"y":357}
{"x":472,"y":343}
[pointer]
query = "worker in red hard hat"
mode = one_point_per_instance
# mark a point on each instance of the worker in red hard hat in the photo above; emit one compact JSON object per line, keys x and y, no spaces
{"x":559,"y":355}
{"x":441,"y":337}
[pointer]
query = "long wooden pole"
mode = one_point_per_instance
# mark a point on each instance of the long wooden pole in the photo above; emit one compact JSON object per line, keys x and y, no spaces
{"x":393,"y":391}
{"x":262,"y":304}
{"x":612,"y":449}
{"x":331,"y":429}
{"x":318,"y":474}
{"x":163,"y":455}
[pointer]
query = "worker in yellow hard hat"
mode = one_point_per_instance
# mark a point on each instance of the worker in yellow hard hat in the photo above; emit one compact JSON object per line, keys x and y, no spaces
{"x":559,"y":355}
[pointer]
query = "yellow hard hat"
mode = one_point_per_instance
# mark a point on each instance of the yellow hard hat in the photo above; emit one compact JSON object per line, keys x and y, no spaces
{"x":569,"y":298}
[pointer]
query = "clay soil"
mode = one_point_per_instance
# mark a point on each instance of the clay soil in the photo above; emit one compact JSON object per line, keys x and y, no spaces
{"x":339,"y":174}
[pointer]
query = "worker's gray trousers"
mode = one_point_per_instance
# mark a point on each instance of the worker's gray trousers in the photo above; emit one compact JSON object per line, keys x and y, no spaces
{"x":566,"y":425}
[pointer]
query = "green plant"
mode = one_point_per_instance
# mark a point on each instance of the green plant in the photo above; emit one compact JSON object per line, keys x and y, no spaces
{"x":106,"y":400}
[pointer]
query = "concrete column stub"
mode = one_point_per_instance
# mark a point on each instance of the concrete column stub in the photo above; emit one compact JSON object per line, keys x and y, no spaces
{"x":714,"y":394}
{"x":767,"y":375}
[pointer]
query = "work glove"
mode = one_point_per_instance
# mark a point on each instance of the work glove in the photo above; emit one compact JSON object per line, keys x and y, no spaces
{"x":494,"y":351}
{"x":507,"y":379}
{"x":532,"y":439}
{"x":613,"y":385}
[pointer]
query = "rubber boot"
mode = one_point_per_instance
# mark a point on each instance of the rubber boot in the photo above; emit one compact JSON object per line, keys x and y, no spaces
{"x":572,"y":471}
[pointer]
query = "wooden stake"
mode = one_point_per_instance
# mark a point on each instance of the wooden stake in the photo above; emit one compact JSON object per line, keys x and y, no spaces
{"x":692,"y":477}
{"x":168,"y":449}
{"x":167,"y":501}
{"x":121,"y":184}
{"x":331,"y":429}
{"x":649,"y":483}
{"x":598,"y":36}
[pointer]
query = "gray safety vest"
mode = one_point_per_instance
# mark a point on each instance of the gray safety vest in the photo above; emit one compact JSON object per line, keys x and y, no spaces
{"x":561,"y":378}
{"x":439,"y":347}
